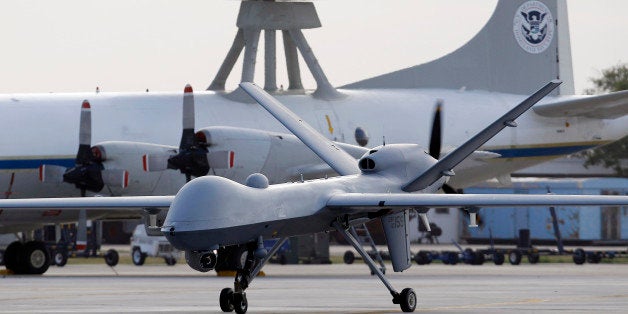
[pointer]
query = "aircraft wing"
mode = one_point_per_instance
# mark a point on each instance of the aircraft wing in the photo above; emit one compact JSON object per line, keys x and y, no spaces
{"x":331,"y":153}
{"x":376,"y":201}
{"x":609,"y":106}
{"x":452,"y":159}
{"x":88,"y":203}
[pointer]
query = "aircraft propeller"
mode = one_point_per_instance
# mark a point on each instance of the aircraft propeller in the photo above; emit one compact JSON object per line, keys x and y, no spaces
{"x":436,"y":139}
{"x":191,"y":159}
{"x":89,"y":173}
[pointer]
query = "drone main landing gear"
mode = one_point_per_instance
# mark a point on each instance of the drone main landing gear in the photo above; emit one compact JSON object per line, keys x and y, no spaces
{"x":406,"y":299}
{"x":235,"y":299}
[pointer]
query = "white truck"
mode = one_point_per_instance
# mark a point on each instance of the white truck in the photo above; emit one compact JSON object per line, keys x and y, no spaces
{"x":143,"y":245}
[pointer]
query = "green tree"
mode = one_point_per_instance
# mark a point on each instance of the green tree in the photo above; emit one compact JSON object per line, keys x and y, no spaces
{"x":613,"y":79}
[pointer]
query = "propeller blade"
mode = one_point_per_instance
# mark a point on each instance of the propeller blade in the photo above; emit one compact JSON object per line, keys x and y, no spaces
{"x":84,"y":153}
{"x":188,"y":139}
{"x":192,"y":157}
{"x":436,"y":137}
{"x":448,"y":189}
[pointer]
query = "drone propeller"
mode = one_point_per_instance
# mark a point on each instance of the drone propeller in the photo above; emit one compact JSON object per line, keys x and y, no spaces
{"x":435,"y":151}
{"x":436,"y":137}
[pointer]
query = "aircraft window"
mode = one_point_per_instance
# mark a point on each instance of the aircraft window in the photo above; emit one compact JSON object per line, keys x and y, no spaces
{"x":372,"y":151}
{"x":361,"y":137}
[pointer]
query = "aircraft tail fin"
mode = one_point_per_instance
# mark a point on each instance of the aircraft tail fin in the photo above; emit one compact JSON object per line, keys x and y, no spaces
{"x":523,"y":43}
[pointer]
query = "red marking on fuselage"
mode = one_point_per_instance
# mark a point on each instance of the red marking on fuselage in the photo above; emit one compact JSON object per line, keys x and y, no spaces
{"x":126,"y":179}
{"x":145,"y":163}
{"x":41,"y":173}
{"x":51,"y":213}
{"x":231,"y":158}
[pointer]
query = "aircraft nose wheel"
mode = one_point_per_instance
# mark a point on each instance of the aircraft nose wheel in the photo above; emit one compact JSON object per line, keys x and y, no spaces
{"x":240,"y":304}
{"x":230,"y":301}
{"x":226,"y":300}
{"x":406,"y":300}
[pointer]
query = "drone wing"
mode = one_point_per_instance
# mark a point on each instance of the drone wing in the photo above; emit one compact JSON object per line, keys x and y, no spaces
{"x":448,"y":162}
{"x":370,"y":202}
{"x":88,"y":203}
{"x":331,"y":153}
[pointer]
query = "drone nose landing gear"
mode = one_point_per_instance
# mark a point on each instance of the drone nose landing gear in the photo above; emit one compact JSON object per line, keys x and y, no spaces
{"x":407,"y":299}
{"x":235,"y":299}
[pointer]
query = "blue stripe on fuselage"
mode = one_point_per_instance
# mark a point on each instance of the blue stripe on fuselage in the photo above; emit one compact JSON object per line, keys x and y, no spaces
{"x":539,"y":151}
{"x":35,"y":163}
{"x":505,"y":153}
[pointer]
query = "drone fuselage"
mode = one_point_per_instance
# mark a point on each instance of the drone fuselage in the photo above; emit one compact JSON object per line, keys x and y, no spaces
{"x":211,"y":212}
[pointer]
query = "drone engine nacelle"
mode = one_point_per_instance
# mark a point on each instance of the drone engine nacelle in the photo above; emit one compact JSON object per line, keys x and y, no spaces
{"x":402,"y":160}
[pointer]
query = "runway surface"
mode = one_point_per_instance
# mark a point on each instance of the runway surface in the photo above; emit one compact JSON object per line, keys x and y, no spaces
{"x":337,"y":288}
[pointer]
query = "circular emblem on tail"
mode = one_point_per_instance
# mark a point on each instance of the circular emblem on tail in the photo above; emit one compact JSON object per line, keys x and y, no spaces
{"x":533,"y":26}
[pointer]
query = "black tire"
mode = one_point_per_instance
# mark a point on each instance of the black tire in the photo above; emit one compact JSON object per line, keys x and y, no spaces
{"x":533,"y":257}
{"x":170,"y":261}
{"x":407,"y":300}
{"x":468,"y":256}
{"x":444,"y":257}
{"x":498,"y":258}
{"x":579,"y":256}
{"x":453,"y":258}
{"x":240,"y":304}
{"x":226,"y":300}
{"x":514,"y":257}
{"x":13,"y":256}
{"x":423,"y":258}
{"x":1,"y":257}
{"x":349,"y":257}
{"x":60,"y":258}
{"x":283,"y":260}
{"x":137,"y":256}
{"x":36,"y":258}
{"x":478,"y":258}
{"x":112,"y":258}
{"x":594,"y":257}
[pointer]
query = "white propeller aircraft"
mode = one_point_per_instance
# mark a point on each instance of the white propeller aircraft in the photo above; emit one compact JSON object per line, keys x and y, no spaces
{"x":211,"y":212}
{"x":136,"y":132}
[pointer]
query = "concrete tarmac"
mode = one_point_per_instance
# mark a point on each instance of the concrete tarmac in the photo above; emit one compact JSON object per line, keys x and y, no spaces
{"x":336,"y":288}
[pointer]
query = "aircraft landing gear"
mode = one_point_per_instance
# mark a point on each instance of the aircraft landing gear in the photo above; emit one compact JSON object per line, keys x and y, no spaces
{"x":235,"y":299}
{"x":30,"y":258}
{"x":407,"y":299}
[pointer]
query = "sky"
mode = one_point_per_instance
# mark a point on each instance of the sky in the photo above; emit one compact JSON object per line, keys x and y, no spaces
{"x":132,"y":45}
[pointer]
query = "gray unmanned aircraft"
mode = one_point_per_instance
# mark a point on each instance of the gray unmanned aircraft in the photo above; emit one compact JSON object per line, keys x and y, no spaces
{"x":211,"y":212}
